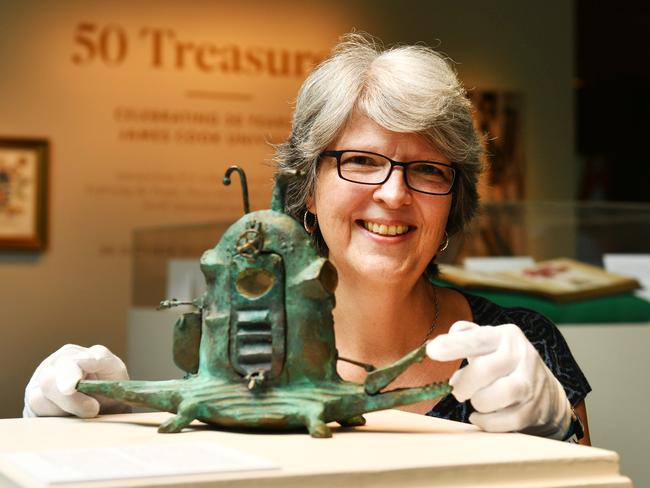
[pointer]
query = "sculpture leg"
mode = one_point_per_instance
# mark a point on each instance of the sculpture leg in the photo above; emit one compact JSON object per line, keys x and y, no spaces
{"x":182,"y":419}
{"x":356,"y":421}
{"x":316,"y":426}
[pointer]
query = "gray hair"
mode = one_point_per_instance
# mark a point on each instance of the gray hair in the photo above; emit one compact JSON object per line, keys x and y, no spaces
{"x":403,"y":89}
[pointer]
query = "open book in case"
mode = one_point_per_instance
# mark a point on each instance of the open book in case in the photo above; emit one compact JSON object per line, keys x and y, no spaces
{"x":561,"y":280}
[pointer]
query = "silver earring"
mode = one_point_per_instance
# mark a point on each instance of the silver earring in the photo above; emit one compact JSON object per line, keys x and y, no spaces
{"x":444,"y":244}
{"x":310,"y":228}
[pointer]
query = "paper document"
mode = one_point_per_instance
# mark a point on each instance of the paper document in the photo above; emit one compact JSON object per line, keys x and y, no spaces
{"x":637,"y":265}
{"x":497,"y":263}
{"x":135,"y":461}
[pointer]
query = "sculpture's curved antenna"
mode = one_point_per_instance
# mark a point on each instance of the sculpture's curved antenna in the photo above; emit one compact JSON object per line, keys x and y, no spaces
{"x":244,"y":185}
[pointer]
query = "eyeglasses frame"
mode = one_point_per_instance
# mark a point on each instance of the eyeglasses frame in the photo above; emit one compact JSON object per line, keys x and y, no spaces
{"x":337,"y":154}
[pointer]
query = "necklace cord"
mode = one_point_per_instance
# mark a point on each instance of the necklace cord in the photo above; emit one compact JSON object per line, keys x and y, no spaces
{"x":434,"y":324}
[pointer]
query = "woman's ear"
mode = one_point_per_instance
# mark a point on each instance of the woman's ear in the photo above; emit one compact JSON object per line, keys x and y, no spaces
{"x":311,"y":204}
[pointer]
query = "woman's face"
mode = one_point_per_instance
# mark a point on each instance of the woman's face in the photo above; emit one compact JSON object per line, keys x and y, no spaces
{"x":347,"y":210}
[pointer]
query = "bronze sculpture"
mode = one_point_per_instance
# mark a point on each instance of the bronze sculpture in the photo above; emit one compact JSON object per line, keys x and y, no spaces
{"x":260,"y":350}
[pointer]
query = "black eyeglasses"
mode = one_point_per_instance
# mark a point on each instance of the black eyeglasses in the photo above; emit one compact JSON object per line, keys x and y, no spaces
{"x":368,"y":168}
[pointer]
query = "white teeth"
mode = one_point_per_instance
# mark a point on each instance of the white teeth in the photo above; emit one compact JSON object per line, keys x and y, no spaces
{"x":385,"y":230}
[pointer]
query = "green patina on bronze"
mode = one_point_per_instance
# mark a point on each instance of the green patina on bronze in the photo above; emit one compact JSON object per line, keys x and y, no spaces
{"x":260,"y":350}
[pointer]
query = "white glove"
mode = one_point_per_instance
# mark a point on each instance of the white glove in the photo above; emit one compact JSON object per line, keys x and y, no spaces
{"x":51,"y":390}
{"x":506,"y":380}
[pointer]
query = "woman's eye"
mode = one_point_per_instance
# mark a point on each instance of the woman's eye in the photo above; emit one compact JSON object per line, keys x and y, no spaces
{"x":360,"y":161}
{"x":427,"y":170}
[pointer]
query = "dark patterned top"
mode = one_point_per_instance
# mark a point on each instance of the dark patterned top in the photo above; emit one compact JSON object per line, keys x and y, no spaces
{"x":546,"y":338}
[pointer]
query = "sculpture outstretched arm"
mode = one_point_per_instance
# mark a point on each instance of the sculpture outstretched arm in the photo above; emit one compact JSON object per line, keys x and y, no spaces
{"x":379,"y":378}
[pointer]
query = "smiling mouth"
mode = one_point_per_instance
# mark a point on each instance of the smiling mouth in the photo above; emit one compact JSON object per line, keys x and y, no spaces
{"x":383,"y":229}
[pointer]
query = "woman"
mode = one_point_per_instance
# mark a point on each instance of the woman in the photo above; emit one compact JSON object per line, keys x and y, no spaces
{"x":391,"y":154}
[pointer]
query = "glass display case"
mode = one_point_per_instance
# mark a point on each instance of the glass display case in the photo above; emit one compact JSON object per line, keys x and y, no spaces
{"x":541,"y":230}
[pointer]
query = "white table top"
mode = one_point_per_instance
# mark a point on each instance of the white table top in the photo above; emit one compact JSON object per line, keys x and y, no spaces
{"x":394,"y":449}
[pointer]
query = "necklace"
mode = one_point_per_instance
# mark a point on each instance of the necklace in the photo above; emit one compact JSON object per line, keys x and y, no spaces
{"x":370,"y":367}
{"x":435,"y":317}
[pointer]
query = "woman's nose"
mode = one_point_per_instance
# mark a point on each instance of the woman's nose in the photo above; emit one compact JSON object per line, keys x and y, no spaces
{"x":394,"y":193}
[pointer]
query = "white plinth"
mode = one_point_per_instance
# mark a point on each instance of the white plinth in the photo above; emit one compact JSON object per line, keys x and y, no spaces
{"x":395,"y":449}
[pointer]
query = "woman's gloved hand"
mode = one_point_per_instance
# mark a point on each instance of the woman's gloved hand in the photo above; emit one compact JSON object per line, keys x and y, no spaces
{"x":51,"y":390}
{"x":506,"y":380}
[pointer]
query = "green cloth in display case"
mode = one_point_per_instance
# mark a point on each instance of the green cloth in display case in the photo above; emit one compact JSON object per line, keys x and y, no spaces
{"x":622,"y":307}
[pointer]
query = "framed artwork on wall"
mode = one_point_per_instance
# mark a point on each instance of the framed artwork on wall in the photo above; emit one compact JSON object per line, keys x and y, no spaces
{"x":23,"y":193}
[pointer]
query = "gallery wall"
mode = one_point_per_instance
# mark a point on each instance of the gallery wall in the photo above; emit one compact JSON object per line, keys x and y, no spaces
{"x":146,"y":103}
